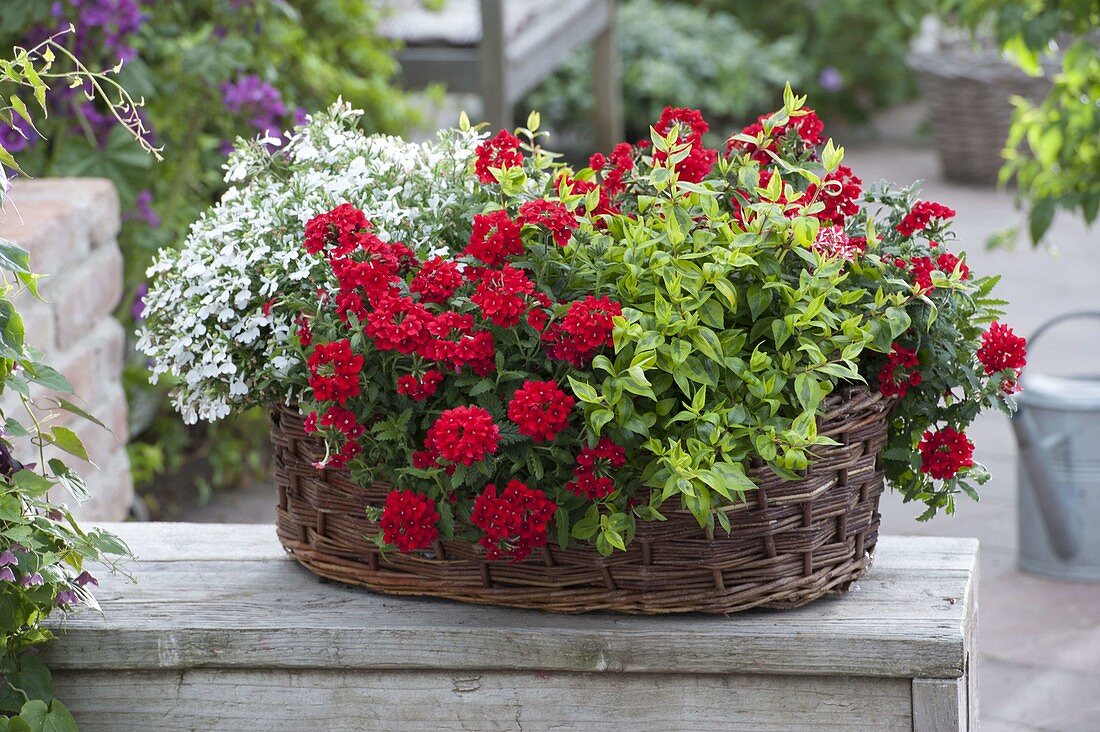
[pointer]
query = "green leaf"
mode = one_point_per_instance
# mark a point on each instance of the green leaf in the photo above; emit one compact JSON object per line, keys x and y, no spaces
{"x":68,"y":406}
{"x":31,"y":483}
{"x":67,"y":440}
{"x":1040,"y":218}
{"x":48,"y":377}
{"x":73,"y":483}
{"x":52,"y":718}
{"x":584,"y":391}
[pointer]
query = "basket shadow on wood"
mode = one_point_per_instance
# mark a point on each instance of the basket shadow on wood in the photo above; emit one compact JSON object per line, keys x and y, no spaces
{"x":792,"y":542}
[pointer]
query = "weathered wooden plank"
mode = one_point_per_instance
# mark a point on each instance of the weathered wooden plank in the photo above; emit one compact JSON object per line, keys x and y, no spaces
{"x":228,"y":597}
{"x":481,"y":700}
{"x":940,"y":705}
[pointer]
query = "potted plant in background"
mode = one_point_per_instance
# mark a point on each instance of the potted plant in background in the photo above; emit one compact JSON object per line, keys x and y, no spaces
{"x":674,"y":380}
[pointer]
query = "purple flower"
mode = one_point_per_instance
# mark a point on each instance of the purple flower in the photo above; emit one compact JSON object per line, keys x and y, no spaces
{"x":7,"y":558}
{"x":84,"y":578}
{"x":31,"y":579}
{"x":137,"y":309}
{"x":110,"y":23}
{"x":143,"y":211}
{"x":301,"y":116}
{"x":7,"y":575}
{"x":252,"y":97}
{"x":66,"y":597}
{"x":17,"y":136}
{"x":831,"y":79}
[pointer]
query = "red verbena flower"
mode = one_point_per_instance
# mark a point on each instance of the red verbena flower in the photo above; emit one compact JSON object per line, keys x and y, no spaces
{"x":540,"y":409}
{"x":900,"y":372}
{"x":922,"y":215}
{"x":399,"y":324}
{"x":343,"y":420}
{"x":1002,"y":349}
{"x":700,"y":159}
{"x":515,"y":522}
{"x":500,"y":152}
{"x":947,"y":262}
{"x":804,"y":129}
{"x":341,"y":458}
{"x":591,"y":477}
{"x":945,"y":452}
{"x":552,"y":215}
{"x":305,"y":335}
{"x":436,"y":280}
{"x":502,"y":295}
{"x":494,"y":238}
{"x":840,"y":193}
{"x":409,"y":521}
{"x":586,"y":328}
{"x":334,"y":372}
{"x":338,"y":228}
{"x":422,"y":388}
{"x":465,"y":435}
{"x":310,"y":424}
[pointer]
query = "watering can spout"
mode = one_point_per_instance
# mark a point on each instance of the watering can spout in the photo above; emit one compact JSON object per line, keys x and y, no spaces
{"x":1062,"y":521}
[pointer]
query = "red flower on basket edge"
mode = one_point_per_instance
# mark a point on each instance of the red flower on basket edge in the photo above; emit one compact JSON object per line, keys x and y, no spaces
{"x":1002,"y":350}
{"x":945,"y":452}
{"x":409,"y":521}
{"x":515,"y":522}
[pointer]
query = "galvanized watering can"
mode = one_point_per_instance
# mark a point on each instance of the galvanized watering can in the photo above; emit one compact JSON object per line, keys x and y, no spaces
{"x":1058,"y":431}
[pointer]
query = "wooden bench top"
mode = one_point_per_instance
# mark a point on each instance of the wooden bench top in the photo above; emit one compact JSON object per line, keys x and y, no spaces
{"x":227,"y":596}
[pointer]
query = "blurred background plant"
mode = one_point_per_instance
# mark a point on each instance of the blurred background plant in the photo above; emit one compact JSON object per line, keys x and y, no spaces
{"x":211,"y":70}
{"x":731,"y":59}
{"x":1053,"y":148}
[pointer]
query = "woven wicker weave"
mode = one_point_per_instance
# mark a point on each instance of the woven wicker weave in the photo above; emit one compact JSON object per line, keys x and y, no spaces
{"x":793,"y":542}
{"x":969,"y":96}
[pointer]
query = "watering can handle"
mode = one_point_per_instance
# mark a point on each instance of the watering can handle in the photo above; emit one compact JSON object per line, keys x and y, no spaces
{"x":1057,"y":320}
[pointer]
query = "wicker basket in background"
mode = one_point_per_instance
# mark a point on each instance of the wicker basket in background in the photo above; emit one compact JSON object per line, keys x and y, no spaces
{"x":791,"y":543}
{"x":969,"y":90}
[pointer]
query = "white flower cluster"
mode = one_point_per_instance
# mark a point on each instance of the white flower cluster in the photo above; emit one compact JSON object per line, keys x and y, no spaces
{"x":209,"y":323}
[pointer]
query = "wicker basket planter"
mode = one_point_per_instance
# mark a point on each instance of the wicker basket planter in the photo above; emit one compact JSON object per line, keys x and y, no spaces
{"x":793,"y":543}
{"x":969,"y":95}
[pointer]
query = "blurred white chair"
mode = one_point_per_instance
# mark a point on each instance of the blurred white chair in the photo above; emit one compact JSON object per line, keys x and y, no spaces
{"x":501,"y":49}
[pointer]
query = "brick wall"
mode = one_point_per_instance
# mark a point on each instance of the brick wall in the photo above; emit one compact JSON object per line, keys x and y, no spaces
{"x":70,"y":227}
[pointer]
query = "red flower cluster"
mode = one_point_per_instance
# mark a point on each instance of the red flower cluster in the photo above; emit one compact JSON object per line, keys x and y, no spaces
{"x":343,"y":421}
{"x":922,"y":215}
{"x":900,"y":372}
{"x":501,"y":152}
{"x":465,"y":435}
{"x":552,"y":215}
{"x":339,"y":228}
{"x":399,"y":324}
{"x":585,"y":329}
{"x":921,"y":269}
{"x":419,"y":389}
{"x":455,"y":344}
{"x":334,"y":371}
{"x":840,"y":192}
{"x":622,"y":162}
{"x":807,"y":130}
{"x":947,"y":262}
{"x":540,"y":409}
{"x":945,"y":452}
{"x":436,"y":280}
{"x":494,"y":238}
{"x":515,"y":522}
{"x":1002,"y":349}
{"x":833,"y":242}
{"x":590,"y":479}
{"x":409,"y":521}
{"x":502,"y":295}
{"x":701,"y":159}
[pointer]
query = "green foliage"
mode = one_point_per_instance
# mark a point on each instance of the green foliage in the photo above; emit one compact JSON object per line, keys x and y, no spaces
{"x":42,"y":548}
{"x":679,"y":56}
{"x":852,"y":53}
{"x":737,"y":325}
{"x":1053,"y":148}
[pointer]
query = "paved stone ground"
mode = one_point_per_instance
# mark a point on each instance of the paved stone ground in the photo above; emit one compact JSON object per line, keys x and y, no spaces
{"x":1039,"y":639}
